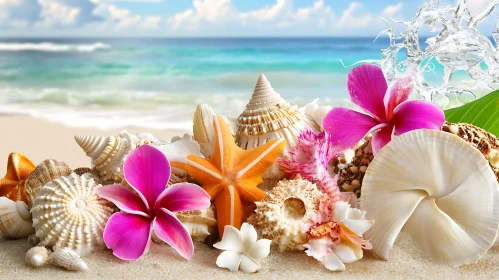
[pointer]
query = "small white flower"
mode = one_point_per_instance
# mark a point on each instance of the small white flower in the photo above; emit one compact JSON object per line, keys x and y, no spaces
{"x":242,"y":250}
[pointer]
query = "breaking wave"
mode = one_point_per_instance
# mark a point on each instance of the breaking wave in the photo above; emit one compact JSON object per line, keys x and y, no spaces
{"x":52,"y":47}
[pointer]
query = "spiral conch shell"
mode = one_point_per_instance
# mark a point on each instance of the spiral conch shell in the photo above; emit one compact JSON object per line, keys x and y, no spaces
{"x":45,"y":172}
{"x":268,"y":116}
{"x":199,"y":223}
{"x":438,"y":188}
{"x":68,"y":213}
{"x":15,"y":219}
{"x":283,"y":214}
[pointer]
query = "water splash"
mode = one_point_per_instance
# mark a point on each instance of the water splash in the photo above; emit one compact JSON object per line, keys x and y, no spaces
{"x":457,"y":45}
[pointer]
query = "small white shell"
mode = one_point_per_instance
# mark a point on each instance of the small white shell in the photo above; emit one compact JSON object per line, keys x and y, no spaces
{"x":438,"y":188}
{"x":178,"y":150}
{"x":69,"y":259}
{"x":37,"y":256}
{"x":68,"y":213}
{"x":316,"y":112}
{"x":203,"y":129}
{"x":199,"y":223}
{"x":15,"y":219}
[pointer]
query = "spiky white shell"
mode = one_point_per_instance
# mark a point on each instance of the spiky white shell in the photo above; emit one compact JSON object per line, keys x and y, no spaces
{"x":438,"y":188}
{"x":69,"y":259}
{"x":199,"y":223}
{"x":284,"y":212}
{"x":68,"y":213}
{"x":45,"y":172}
{"x":267,"y":117}
{"x":15,"y":219}
{"x":37,"y":256}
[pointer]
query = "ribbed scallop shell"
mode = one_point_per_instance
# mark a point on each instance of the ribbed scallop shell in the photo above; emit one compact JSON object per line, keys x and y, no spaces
{"x":15,"y":219}
{"x":37,"y":256}
{"x":439,"y":189}
{"x":45,"y":172}
{"x":199,"y":223}
{"x":283,"y":214}
{"x":69,"y":259}
{"x":68,"y":213}
{"x":203,"y":129}
{"x":268,"y":116}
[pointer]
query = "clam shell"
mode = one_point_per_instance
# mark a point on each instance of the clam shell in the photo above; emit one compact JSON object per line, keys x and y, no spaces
{"x":69,"y":259}
{"x":15,"y":219}
{"x":45,"y":172}
{"x":199,"y":223}
{"x":68,"y":213}
{"x":439,"y":189}
{"x":283,"y":214}
{"x":37,"y":256}
{"x":268,"y":116}
{"x":203,"y":129}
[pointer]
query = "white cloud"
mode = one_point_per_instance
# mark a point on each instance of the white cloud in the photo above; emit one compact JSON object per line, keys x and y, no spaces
{"x":151,"y":23}
{"x":267,"y":13}
{"x":55,"y":13}
{"x":350,"y":20}
{"x":123,"y":19}
{"x":138,"y":1}
{"x":211,"y":11}
{"x":391,"y":10}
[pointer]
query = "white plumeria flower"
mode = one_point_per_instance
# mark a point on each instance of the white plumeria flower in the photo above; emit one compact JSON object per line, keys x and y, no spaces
{"x":242,"y":250}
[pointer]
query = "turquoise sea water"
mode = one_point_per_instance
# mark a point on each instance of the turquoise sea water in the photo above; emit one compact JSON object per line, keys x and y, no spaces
{"x":157,"y":82}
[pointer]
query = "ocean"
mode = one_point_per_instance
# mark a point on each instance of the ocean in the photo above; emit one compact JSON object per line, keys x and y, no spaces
{"x":156,"y":83}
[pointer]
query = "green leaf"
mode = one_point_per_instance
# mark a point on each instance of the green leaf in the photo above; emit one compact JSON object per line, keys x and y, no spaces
{"x":483,"y":112}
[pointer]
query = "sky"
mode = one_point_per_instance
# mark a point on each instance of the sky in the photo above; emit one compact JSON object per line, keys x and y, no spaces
{"x":204,"y":18}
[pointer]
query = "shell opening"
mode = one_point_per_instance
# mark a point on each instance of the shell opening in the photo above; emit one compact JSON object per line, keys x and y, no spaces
{"x":293,"y":208}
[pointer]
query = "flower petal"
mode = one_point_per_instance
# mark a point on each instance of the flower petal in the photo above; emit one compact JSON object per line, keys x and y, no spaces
{"x":128,"y":235}
{"x":346,"y":254}
{"x":183,"y":197}
{"x":333,"y":263}
{"x":124,"y":198}
{"x":367,"y":87}
{"x":169,"y":229}
{"x":398,"y":92}
{"x":260,"y":250}
{"x":231,"y":240}
{"x":359,"y":227}
{"x":417,"y":114}
{"x":249,"y":235}
{"x":341,"y":211}
{"x":381,"y":138}
{"x":230,"y":260}
{"x":347,"y":127}
{"x":147,"y":170}
{"x":247,"y":265}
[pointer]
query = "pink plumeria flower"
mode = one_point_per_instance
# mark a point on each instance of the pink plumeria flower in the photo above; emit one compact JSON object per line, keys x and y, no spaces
{"x":388,"y":110}
{"x":150,"y":207}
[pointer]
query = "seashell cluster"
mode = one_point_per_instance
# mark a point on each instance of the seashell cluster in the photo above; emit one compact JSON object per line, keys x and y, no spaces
{"x":37,"y":256}
{"x":268,"y":116}
{"x":15,"y":219}
{"x":199,"y":223}
{"x":45,"y":172}
{"x":285,"y":211}
{"x":351,"y":175}
{"x":485,"y":142}
{"x":439,"y":189}
{"x":68,"y":213}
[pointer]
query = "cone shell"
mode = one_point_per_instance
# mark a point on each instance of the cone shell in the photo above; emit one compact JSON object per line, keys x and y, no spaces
{"x":439,"y":189}
{"x":18,"y":169}
{"x":69,"y":259}
{"x":68,"y":213}
{"x":199,"y":223}
{"x":283,"y":214}
{"x":268,"y":116}
{"x":15,"y":219}
{"x":37,"y":256}
{"x":482,"y":140}
{"x":45,"y":172}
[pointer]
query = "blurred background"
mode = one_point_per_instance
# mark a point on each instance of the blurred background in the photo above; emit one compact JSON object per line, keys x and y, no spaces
{"x":147,"y":63}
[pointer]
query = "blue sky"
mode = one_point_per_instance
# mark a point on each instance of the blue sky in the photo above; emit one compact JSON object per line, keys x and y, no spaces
{"x":206,"y":17}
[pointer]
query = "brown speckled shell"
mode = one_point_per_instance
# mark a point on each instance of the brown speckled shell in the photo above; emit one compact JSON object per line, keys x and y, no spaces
{"x":45,"y":172}
{"x":351,"y":176}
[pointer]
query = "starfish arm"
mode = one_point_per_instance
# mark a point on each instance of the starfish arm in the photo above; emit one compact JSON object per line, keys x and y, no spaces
{"x":225,"y":151}
{"x":213,"y":189}
{"x":200,"y":169}
{"x":229,"y":209}
{"x":249,"y":191}
{"x":255,"y":161}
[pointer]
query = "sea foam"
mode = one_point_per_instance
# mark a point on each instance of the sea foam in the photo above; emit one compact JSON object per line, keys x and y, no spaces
{"x":52,"y":47}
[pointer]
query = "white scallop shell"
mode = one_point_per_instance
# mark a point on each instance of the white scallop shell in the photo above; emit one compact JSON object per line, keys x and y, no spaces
{"x":267,"y":117}
{"x":15,"y":219}
{"x":203,"y":129}
{"x":68,"y":213}
{"x":439,"y":189}
{"x":37,"y":256}
{"x":282,"y":215}
{"x":69,"y":259}
{"x":178,"y":150}
{"x":316,"y":112}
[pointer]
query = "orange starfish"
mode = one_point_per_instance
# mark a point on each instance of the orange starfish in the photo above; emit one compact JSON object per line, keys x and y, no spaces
{"x":18,"y":169}
{"x":232,"y":174}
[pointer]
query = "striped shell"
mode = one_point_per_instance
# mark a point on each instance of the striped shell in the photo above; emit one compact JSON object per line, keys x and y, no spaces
{"x":18,"y":169}
{"x":68,"y":259}
{"x":283,"y":214}
{"x":68,"y":213}
{"x":45,"y":172}
{"x":15,"y":219}
{"x":268,"y":116}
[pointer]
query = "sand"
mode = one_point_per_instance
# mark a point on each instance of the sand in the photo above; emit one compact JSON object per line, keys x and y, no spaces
{"x":39,"y":140}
